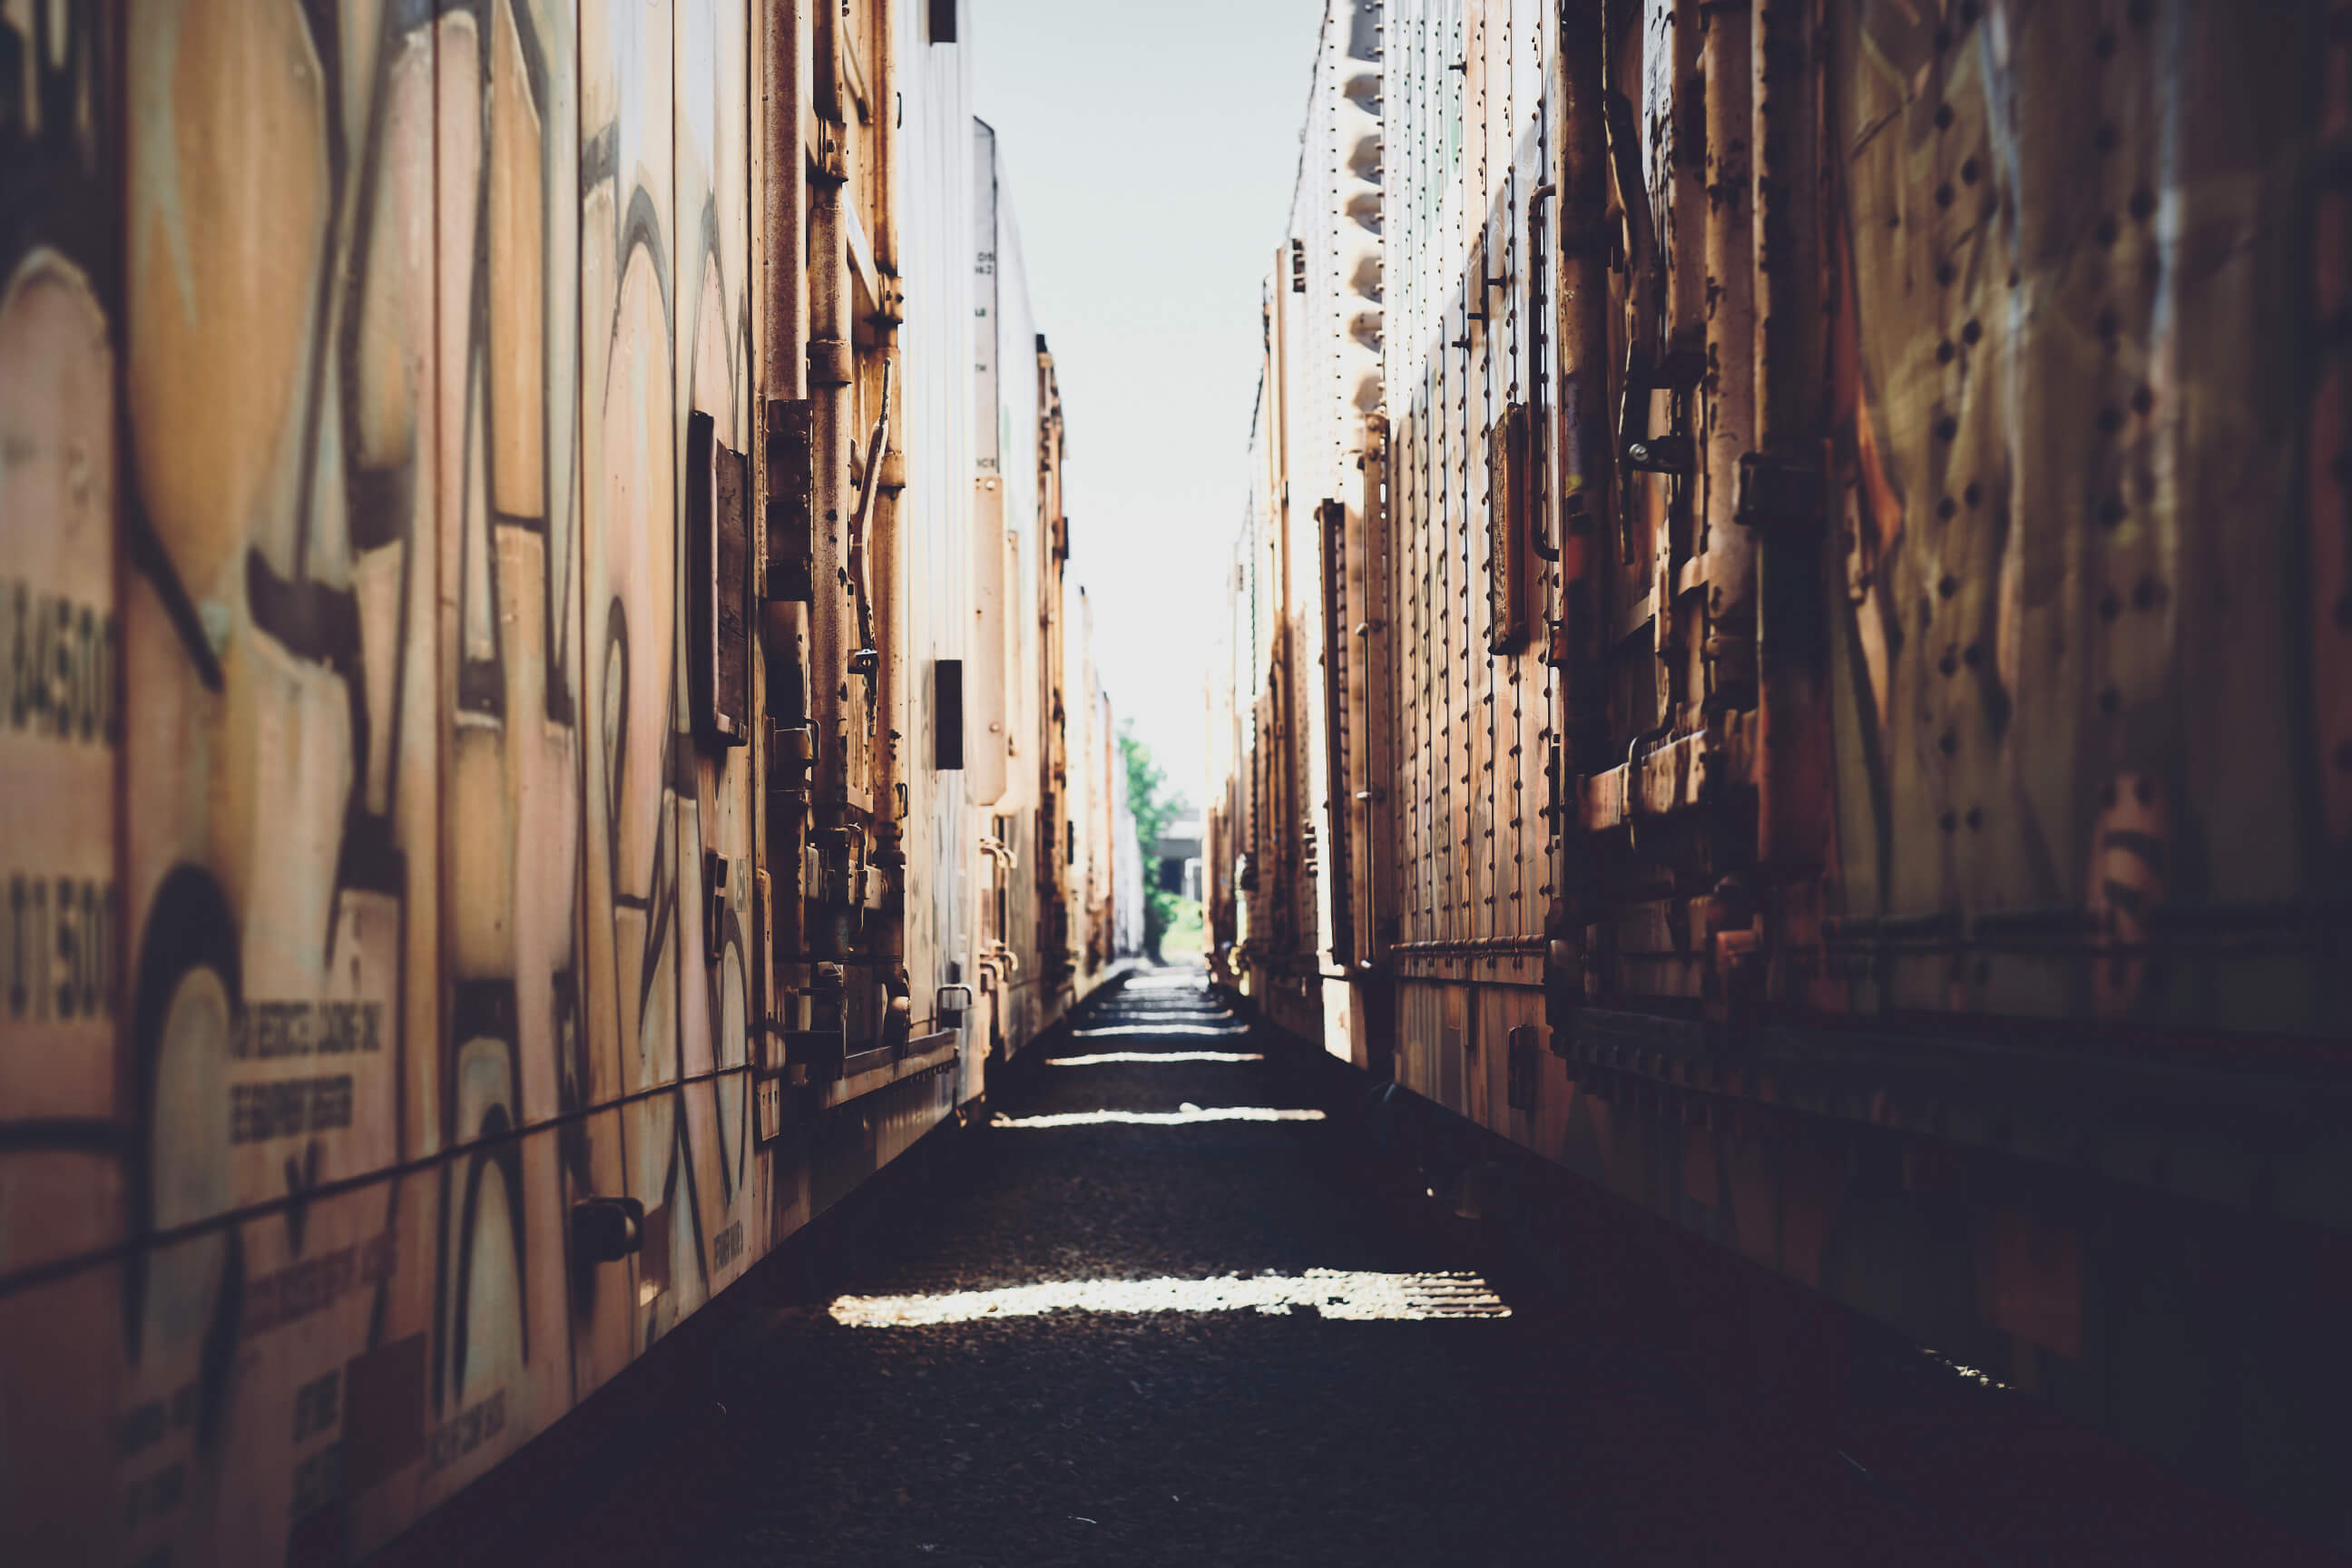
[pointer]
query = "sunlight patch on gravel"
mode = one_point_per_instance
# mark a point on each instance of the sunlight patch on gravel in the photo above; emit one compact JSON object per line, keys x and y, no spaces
{"x":1160,"y":1117}
{"x":1102,"y":1057}
{"x":1346,"y":1295}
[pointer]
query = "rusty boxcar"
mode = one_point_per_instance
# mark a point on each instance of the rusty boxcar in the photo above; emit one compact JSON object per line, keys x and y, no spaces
{"x":545,"y":740}
{"x":1793,"y":654}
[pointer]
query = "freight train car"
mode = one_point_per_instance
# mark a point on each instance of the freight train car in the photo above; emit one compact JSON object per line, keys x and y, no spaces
{"x":536,"y":752}
{"x":1792,"y":656}
{"x":1037,"y":774}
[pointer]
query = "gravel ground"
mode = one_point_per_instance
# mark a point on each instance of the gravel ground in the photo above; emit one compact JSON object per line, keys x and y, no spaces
{"x":1247,"y":1435}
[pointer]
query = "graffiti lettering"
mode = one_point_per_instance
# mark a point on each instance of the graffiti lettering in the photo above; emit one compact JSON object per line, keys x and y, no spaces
{"x":59,"y":947}
{"x":318,"y":1406}
{"x":143,"y":1427}
{"x":140,"y":1428}
{"x":727,"y":1246}
{"x":272,"y":1029}
{"x":59,"y":679}
{"x":318,"y":1480}
{"x":289,"y":1294}
{"x":391,"y":817}
{"x":453,"y":1440}
{"x":258,"y":1111}
{"x":156,"y":1494}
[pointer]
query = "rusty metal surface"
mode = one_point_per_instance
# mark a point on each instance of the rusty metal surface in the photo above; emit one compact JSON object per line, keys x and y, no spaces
{"x":1934,"y":526}
{"x":450,"y":775}
{"x":2068,"y":376}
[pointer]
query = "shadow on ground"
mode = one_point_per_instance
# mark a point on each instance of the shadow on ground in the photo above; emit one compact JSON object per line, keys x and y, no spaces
{"x":1224,"y":1436}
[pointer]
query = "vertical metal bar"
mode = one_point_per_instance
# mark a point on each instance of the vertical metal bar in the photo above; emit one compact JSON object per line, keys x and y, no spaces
{"x":886,"y":137}
{"x":1581,"y":311}
{"x":1795,"y":775}
{"x":783,"y":197}
{"x":1342,"y":676}
{"x":1475,"y":824}
{"x":1289,"y":715}
{"x":831,"y":368}
{"x":1683,"y":254}
{"x":884,"y":576}
{"x":783,"y":389}
{"x":2328,"y":441}
{"x":1728,"y":548}
{"x":1380,"y":772}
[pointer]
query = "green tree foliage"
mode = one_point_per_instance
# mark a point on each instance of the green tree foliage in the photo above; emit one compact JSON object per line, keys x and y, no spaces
{"x":1154,"y":805}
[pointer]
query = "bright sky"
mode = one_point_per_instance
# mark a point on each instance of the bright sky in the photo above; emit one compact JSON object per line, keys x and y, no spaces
{"x":1150,"y":151}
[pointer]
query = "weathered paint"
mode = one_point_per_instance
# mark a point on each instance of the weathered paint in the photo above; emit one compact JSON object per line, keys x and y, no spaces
{"x":371,"y":899}
{"x":1917,"y":815}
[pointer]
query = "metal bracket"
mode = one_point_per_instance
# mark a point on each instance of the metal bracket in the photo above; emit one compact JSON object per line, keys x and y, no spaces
{"x":1672,"y":453}
{"x":720,"y":615}
{"x":820,"y":1051}
{"x":1519,"y":1067}
{"x":791,"y":499}
{"x":1777,"y":494}
{"x":1679,"y":371}
{"x":828,"y":162}
{"x":829,"y":361}
{"x":605,"y":1230}
{"x":714,"y":905}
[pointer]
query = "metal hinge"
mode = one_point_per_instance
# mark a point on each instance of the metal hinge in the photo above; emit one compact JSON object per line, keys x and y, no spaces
{"x":1774,"y":493}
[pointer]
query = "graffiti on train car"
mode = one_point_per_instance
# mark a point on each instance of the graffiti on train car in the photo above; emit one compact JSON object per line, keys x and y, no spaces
{"x":61,"y":736}
{"x":389,"y":913}
{"x":2072,"y":734}
{"x":1765,"y":630}
{"x":403,"y":860}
